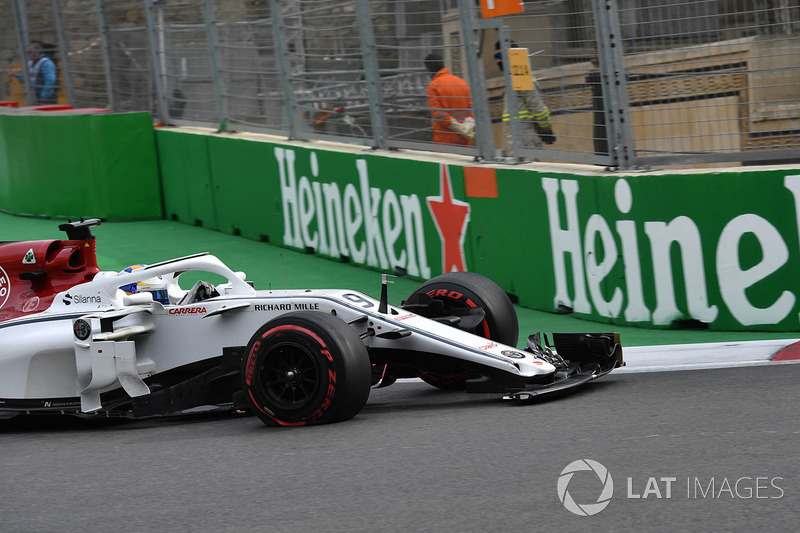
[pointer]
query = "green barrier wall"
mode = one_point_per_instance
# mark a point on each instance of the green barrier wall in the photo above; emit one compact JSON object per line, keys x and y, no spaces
{"x":186,"y":178}
{"x":718,"y":250}
{"x":367,"y":210}
{"x":674,"y":250}
{"x":102,"y":165}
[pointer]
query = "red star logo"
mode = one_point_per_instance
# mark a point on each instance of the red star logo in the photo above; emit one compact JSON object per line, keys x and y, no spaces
{"x":451,"y":217}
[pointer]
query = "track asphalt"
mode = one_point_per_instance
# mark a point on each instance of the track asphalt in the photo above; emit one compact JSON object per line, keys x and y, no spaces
{"x":121,"y":244}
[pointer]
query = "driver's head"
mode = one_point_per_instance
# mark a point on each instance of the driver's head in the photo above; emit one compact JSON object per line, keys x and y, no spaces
{"x":156,"y":286}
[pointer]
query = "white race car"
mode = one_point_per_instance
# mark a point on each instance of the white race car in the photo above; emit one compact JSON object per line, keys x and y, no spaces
{"x":81,"y":341}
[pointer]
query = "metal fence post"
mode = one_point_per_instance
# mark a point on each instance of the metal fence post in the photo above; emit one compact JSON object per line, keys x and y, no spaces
{"x":371,"y":73}
{"x":62,"y":45}
{"x":285,"y":70}
{"x":212,"y":41}
{"x":21,"y":19}
{"x":613,"y":83}
{"x":484,"y":137}
{"x":105,"y":46}
{"x":510,"y":103}
{"x":156,"y":67}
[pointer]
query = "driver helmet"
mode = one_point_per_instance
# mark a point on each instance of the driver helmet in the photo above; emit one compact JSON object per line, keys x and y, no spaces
{"x":156,"y":286}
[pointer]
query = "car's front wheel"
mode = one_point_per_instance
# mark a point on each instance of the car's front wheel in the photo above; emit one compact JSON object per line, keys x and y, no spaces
{"x":480,"y":306}
{"x":304,"y":368}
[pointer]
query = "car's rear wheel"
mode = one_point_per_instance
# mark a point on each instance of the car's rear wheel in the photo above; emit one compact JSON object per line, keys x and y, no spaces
{"x":483,"y":307}
{"x":306,"y":368}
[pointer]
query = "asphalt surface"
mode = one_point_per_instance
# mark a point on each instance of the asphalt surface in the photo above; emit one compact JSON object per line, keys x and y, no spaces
{"x":419,"y":459}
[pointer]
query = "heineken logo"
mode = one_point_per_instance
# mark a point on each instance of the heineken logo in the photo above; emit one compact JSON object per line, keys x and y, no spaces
{"x":584,"y":257}
{"x":370,"y":226}
{"x":451,"y":217}
{"x":611,"y":259}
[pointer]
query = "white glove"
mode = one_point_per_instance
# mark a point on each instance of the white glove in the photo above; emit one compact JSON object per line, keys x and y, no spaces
{"x":469,"y":127}
{"x":455,"y":126}
{"x":465,"y":129}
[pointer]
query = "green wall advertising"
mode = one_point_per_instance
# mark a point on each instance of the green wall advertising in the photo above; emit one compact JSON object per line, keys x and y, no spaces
{"x":714,"y":249}
{"x":719,"y":249}
{"x":710,"y":250}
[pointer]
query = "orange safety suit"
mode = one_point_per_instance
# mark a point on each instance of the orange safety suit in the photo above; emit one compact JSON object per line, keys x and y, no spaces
{"x":449,"y":99}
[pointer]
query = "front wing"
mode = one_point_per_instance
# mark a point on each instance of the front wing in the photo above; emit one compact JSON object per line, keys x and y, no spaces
{"x":578,"y":357}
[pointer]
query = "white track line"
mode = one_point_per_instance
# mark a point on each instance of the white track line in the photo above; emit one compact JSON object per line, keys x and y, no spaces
{"x":702,"y":356}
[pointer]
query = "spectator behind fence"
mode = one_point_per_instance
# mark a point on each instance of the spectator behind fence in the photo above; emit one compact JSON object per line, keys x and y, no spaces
{"x":42,"y":72}
{"x":450,"y":102}
{"x":532,"y":113}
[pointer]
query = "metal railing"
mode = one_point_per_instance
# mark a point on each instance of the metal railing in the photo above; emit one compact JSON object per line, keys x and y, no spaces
{"x":628,"y":83}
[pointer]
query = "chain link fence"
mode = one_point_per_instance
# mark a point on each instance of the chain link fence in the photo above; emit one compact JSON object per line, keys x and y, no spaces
{"x":626,"y":83}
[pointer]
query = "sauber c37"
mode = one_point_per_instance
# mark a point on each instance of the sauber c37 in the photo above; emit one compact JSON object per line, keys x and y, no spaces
{"x":78,"y":340}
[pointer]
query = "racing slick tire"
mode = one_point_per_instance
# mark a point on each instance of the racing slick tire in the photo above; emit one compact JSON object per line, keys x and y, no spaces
{"x":459,"y":291}
{"x":306,"y":367}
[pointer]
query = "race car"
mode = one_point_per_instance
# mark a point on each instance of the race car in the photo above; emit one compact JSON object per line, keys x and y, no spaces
{"x":77,"y":340}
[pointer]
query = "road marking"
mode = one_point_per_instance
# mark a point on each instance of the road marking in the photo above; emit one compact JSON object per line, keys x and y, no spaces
{"x":789,"y":353}
{"x":704,"y":356}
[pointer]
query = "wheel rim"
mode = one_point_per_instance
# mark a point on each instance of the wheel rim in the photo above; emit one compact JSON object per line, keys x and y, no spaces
{"x":290,"y":376}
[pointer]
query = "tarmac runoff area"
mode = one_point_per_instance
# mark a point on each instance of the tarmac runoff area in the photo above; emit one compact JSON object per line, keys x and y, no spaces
{"x":121,"y":244}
